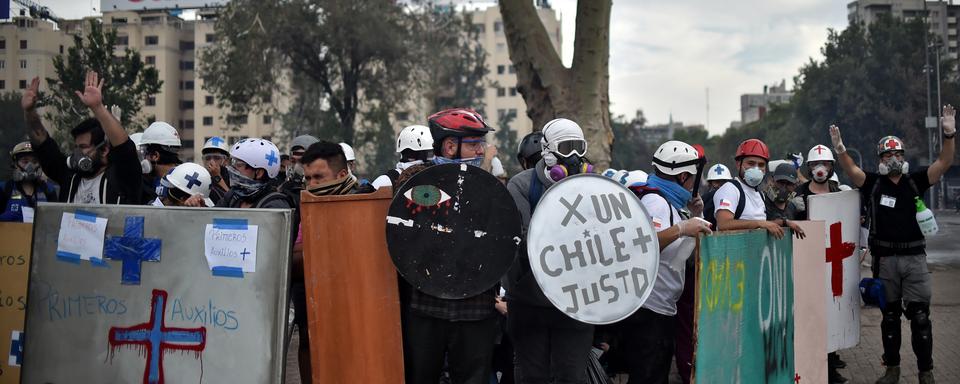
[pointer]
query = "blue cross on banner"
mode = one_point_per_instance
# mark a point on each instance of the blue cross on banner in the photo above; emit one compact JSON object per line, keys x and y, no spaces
{"x":192,"y":180}
{"x":272,"y":157}
{"x":132,"y":249}
{"x":16,"y":349}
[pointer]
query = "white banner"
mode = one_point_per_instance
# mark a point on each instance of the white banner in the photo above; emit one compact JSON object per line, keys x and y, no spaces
{"x":840,"y":213}
{"x":138,"y":5}
{"x":593,"y":249}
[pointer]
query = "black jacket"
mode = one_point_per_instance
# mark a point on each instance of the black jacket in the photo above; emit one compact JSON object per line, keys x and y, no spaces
{"x":121,"y":182}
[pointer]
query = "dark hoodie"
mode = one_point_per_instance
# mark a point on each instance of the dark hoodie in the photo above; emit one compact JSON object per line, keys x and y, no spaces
{"x":520,"y":283}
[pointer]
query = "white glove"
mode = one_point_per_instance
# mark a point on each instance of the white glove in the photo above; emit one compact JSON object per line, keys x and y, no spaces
{"x":116,"y":112}
{"x":694,"y":226}
{"x":949,"y":121}
{"x":837,"y":141}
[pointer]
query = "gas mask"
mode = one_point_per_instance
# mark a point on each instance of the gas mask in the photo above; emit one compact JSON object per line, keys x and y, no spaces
{"x":568,"y":166}
{"x":242,"y":185}
{"x":820,"y":173}
{"x":894,"y":166}
{"x":753,"y":176}
{"x":778,"y":194}
{"x":295,"y":173}
{"x":31,"y":172}
{"x":84,"y":165}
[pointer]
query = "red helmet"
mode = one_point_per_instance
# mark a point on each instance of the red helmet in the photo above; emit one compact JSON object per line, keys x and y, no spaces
{"x":456,"y":122}
{"x":752,"y":147}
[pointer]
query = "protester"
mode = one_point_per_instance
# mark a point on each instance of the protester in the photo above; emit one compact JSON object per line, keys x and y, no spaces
{"x":285,"y":165}
{"x":160,"y":145}
{"x":253,"y":164}
{"x":294,"y":181}
{"x":19,"y":196}
{"x":779,"y":193}
{"x":528,"y":152}
{"x":215,"y":155}
{"x":897,"y":242}
{"x":104,"y":168}
{"x":415,"y":146}
{"x":458,"y":331}
{"x":717,"y":176}
{"x":550,"y":346}
{"x":738,"y":204}
{"x":183,"y":182}
{"x":649,"y":334}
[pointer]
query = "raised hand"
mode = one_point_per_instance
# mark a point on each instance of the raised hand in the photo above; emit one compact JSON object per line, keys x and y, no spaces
{"x":29,"y":99}
{"x":948,"y":120}
{"x":837,"y":141}
{"x":92,"y":95}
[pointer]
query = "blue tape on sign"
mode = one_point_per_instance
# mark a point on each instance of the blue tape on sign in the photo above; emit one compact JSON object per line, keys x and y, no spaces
{"x":85,"y":216}
{"x":230,"y":223}
{"x":228,"y":272}
{"x":69,"y":257}
{"x":98,"y":262}
{"x":133,"y":226}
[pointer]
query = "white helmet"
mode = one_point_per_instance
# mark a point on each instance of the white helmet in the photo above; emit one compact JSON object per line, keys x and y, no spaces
{"x":415,"y":137}
{"x":258,"y":153}
{"x":215,"y":143}
{"x":191,"y":178}
{"x":136,"y":138}
{"x":718,"y":172}
{"x":834,"y":178}
{"x":820,"y":153}
{"x":676,"y":157}
{"x":303,"y":141}
{"x":633,"y":177}
{"x":161,"y":133}
{"x":348,"y":152}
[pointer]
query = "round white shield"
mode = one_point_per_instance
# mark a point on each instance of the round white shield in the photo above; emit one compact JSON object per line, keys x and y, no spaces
{"x":593,"y":249}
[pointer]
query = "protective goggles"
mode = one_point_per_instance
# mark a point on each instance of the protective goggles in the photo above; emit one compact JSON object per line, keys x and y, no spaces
{"x":568,"y":148}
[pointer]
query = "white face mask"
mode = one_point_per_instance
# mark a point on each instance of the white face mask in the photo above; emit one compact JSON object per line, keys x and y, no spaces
{"x":753,"y":176}
{"x":820,"y":173}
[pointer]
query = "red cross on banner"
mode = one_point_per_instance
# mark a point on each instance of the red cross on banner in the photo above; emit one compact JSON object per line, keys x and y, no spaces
{"x":837,"y":251}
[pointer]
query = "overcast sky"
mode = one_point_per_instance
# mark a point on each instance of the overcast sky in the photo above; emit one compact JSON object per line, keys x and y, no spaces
{"x":664,"y":54}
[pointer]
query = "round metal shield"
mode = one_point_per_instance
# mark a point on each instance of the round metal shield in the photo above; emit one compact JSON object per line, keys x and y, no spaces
{"x":593,"y":249}
{"x":453,"y":230}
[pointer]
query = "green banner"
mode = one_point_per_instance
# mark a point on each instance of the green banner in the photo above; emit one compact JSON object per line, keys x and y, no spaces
{"x":745,"y":309}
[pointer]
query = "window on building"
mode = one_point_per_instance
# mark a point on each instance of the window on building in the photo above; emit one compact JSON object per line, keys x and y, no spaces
{"x":402,"y":116}
{"x":150,"y":20}
{"x":186,"y":65}
{"x":187,"y":124}
{"x":23,"y":64}
{"x":187,"y":144}
{"x":123,"y":40}
{"x":23,"y":44}
{"x":208,"y":100}
{"x":151,"y":40}
{"x":501,"y":113}
{"x":3,"y":64}
{"x":207,"y":121}
{"x":513,"y":69}
{"x":61,"y":49}
{"x":501,"y":69}
{"x":23,"y":84}
{"x":119,"y":20}
{"x":513,"y":112}
{"x":481,"y":28}
{"x":186,"y":85}
{"x":267,"y":119}
{"x":513,"y":91}
{"x":186,"y":104}
{"x":210,"y":37}
{"x":186,"y":45}
{"x":151,"y":101}
{"x":3,"y":84}
{"x":237,"y":119}
{"x":501,"y":92}
{"x":498,"y":27}
{"x":3,"y":44}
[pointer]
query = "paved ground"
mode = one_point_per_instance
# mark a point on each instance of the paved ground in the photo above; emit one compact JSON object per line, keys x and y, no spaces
{"x":864,"y":364}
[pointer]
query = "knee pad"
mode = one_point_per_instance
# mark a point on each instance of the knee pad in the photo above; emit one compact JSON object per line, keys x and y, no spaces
{"x":892,"y":312}
{"x":919,"y":314}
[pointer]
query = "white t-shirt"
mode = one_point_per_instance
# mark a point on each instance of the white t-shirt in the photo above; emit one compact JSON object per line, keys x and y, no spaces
{"x":384,"y":180}
{"x":727,"y":198}
{"x":89,"y":191}
{"x":669,"y":285}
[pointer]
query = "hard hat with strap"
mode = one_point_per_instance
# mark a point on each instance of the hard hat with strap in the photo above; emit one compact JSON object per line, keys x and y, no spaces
{"x":820,"y":152}
{"x":414,"y":137}
{"x":753,"y":147}
{"x":676,"y":157}
{"x":889,"y":144}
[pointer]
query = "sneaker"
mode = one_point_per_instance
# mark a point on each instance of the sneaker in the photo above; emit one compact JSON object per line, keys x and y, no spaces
{"x":892,"y":376}
{"x":926,"y":377}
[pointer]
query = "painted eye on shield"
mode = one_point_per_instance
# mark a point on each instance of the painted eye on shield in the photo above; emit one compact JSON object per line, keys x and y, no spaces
{"x":426,"y":195}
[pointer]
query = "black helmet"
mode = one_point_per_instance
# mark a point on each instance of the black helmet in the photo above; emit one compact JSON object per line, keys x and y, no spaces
{"x":529,"y":149}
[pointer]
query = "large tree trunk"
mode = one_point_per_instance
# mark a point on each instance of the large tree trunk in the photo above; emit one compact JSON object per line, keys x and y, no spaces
{"x":579,"y":93}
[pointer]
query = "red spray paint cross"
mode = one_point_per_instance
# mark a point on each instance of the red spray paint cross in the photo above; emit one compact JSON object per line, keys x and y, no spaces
{"x":837,"y":251}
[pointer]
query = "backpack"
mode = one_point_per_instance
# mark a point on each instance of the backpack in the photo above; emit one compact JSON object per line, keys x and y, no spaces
{"x":709,"y":209}
{"x":295,"y":220}
{"x":642,"y":189}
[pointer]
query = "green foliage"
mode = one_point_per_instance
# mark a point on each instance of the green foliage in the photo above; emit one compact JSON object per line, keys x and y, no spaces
{"x":507,"y":144}
{"x":127,"y":81}
{"x":14,"y":129}
{"x":629,"y":152}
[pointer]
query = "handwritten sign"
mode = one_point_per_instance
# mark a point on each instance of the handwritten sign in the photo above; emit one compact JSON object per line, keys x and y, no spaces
{"x":81,"y":237}
{"x":230,"y":246}
{"x":14,"y":268}
{"x":593,"y":249}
